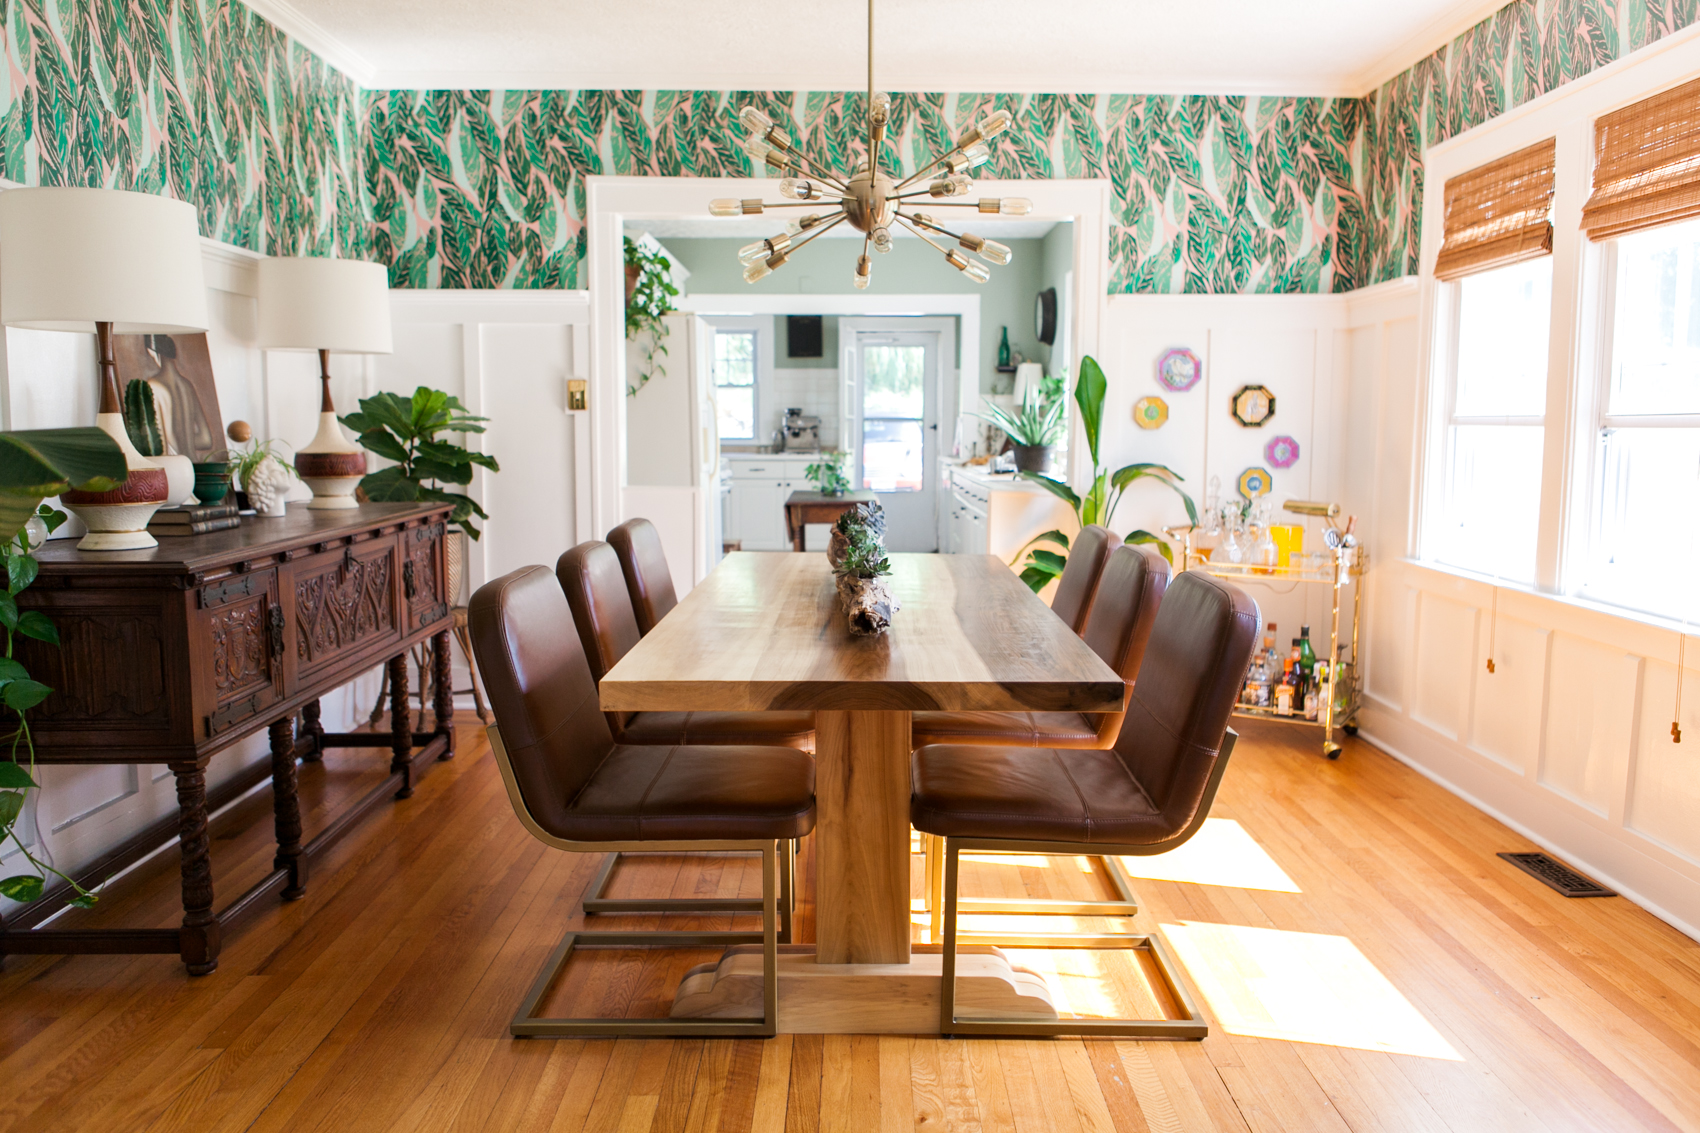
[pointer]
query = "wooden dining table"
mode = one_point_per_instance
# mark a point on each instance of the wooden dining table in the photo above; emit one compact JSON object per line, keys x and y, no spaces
{"x":765,"y":632}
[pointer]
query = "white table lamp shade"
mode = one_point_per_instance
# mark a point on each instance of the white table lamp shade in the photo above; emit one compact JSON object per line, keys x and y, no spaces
{"x":317,"y":303}
{"x":71,"y":258}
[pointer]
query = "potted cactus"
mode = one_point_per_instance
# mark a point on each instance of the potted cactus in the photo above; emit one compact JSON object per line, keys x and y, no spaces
{"x":141,"y":421}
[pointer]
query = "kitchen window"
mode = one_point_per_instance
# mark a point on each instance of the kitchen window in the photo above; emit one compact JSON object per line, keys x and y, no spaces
{"x":735,"y":383}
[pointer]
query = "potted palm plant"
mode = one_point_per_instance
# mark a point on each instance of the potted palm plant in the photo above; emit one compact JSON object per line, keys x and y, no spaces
{"x":1034,"y":428}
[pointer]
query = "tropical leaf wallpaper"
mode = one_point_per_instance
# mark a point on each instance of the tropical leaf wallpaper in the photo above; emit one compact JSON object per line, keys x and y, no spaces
{"x":482,"y":189}
{"x":207,"y":102}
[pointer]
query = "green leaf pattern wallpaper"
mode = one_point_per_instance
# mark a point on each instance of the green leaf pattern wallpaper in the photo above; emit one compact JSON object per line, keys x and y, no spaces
{"x":207,"y":102}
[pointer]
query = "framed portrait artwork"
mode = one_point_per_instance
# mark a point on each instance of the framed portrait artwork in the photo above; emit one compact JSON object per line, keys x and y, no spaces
{"x":179,"y":368}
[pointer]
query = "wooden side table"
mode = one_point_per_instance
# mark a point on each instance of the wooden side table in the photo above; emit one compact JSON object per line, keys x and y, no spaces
{"x":804,"y":508}
{"x":172,"y":654}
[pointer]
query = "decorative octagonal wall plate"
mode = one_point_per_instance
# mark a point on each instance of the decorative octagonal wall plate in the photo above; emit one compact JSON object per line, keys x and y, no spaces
{"x":1150,"y":412}
{"x":1255,"y":482}
{"x":1179,"y":369}
{"x":1281,"y":452}
{"x":1253,"y":405}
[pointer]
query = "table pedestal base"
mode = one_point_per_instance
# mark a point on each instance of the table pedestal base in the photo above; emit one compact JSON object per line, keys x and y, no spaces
{"x":862,"y":999}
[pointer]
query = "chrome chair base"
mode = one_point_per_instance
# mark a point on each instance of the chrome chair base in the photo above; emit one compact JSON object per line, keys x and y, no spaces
{"x":1189,"y":1027}
{"x":526,"y":1023}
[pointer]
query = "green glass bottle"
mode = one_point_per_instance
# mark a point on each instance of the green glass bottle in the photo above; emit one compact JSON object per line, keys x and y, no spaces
{"x":1307,"y":655}
{"x":1003,"y":351}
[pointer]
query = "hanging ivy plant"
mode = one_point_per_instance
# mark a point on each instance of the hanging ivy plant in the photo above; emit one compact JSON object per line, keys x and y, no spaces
{"x":649,"y":299}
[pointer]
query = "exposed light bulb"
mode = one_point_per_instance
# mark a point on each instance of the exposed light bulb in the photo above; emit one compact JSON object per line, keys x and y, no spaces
{"x":882,"y":238}
{"x":1006,"y":206}
{"x":750,"y":253}
{"x":756,"y":147}
{"x":968,"y":266}
{"x":725,"y":206}
{"x":757,"y":270}
{"x":994,"y":124}
{"x":864,"y":272}
{"x":798,"y":189}
{"x":977,"y":154}
{"x":882,"y":103}
{"x":996,"y":253}
{"x":754,"y":120}
{"x":955,"y":185}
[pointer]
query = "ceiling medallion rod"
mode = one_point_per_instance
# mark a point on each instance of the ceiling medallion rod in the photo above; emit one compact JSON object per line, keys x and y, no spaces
{"x":867,"y":197}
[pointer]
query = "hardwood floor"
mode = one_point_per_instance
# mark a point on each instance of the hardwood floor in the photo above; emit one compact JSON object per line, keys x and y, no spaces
{"x":1365,"y":961}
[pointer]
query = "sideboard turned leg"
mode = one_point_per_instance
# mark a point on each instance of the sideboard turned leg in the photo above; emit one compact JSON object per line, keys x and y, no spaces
{"x":311,"y":725}
{"x":401,"y":727}
{"x":443,"y":702}
{"x":199,"y":937}
{"x":286,"y":809}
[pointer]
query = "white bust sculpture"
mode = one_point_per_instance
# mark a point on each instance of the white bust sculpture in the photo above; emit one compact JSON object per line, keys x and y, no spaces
{"x":268,"y":486}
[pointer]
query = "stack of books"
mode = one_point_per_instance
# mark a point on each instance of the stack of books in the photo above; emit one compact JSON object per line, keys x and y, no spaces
{"x":197,"y":520}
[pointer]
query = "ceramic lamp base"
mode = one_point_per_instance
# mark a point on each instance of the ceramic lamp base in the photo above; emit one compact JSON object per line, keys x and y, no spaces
{"x":332,"y":476}
{"x":118,"y":520}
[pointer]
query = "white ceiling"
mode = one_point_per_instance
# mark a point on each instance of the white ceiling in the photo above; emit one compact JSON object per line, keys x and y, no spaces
{"x":1296,"y":47}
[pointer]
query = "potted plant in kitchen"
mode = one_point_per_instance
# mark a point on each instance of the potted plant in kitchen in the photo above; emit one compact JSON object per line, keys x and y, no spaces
{"x":1103,"y":495}
{"x":1034,"y":427}
{"x":828,"y":474}
{"x":35,"y":464}
{"x":649,"y":299}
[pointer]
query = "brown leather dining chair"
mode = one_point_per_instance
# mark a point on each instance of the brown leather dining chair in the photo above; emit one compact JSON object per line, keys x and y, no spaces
{"x":575,"y":788}
{"x":1072,"y":601}
{"x":595,"y":588}
{"x":1118,"y":625}
{"x":1147,"y":795}
{"x":644,"y":563}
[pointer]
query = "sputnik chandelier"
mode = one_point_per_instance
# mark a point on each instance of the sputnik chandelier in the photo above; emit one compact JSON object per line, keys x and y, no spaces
{"x":867,"y":196}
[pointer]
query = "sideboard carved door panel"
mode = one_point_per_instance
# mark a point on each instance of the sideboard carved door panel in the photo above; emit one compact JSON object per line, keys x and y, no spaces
{"x":424,"y":585}
{"x":345,"y":603}
{"x":243,"y":631}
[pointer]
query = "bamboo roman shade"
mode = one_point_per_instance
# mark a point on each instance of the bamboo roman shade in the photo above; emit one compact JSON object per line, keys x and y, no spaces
{"x":1646,"y":165}
{"x":1498,"y":214}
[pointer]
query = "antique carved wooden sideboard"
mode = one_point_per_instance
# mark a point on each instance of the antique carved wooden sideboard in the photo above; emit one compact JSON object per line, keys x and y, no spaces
{"x":173,"y":654}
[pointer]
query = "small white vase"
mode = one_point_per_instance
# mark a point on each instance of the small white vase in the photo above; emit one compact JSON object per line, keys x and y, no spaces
{"x":179,"y":478}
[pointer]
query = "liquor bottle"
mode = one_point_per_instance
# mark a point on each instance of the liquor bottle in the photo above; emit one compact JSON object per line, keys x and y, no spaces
{"x":1307,"y":655}
{"x":1284,"y":692}
{"x":1003,"y":350}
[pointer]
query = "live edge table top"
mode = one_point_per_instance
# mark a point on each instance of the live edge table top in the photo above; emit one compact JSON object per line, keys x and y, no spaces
{"x":764,"y":632}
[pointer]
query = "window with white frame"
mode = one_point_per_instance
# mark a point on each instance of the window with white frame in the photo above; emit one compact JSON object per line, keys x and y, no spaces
{"x":1646,"y":471}
{"x":735,"y":383}
{"x":1484,"y":503}
{"x":1495,"y":423}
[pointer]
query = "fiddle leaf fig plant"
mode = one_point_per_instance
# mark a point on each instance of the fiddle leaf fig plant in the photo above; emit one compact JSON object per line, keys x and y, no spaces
{"x":405,"y":430}
{"x":34,"y":464}
{"x":1099,"y":503}
{"x":828,"y":474}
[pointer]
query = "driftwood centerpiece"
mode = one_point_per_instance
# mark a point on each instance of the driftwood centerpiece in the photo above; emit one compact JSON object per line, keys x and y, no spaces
{"x":858,"y":557}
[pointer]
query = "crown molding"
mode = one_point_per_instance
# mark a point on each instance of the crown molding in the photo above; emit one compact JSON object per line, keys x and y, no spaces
{"x":284,"y":16}
{"x":1439,"y":32}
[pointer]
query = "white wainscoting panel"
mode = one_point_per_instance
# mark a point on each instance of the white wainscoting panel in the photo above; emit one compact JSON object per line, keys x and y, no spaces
{"x":1510,"y":710}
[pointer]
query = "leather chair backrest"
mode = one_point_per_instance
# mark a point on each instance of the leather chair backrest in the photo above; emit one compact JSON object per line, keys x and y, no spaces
{"x":1130,"y":592}
{"x":596,"y":590}
{"x":1185,"y":690}
{"x":648,"y":580}
{"x":539,"y":681}
{"x":1079,"y":582}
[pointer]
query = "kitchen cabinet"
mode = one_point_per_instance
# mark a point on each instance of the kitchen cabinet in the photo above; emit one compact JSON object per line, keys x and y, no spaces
{"x":761,"y":482}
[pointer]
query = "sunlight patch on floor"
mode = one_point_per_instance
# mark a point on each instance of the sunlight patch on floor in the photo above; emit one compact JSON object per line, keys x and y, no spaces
{"x":1301,"y":987}
{"x":1221,"y":853}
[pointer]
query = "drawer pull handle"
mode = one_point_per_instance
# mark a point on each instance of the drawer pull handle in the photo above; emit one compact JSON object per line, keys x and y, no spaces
{"x":408,"y":586}
{"x":275,"y":617}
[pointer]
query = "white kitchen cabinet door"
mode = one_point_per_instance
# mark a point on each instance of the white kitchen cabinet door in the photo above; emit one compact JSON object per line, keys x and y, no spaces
{"x":758,"y":514}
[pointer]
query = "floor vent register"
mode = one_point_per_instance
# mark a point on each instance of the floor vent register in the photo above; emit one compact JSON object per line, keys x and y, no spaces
{"x":1558,"y":875}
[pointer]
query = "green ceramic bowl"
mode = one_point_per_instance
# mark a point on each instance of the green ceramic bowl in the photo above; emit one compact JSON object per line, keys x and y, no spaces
{"x":212,"y":481}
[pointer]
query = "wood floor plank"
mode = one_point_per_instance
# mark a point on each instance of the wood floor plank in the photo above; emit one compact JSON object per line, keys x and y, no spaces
{"x":803,"y":1099}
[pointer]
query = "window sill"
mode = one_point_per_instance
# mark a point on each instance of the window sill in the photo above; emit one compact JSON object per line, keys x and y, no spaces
{"x":1570,"y":601}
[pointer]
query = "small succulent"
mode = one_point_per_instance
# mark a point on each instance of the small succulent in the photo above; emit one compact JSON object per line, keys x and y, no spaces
{"x":858,"y":545}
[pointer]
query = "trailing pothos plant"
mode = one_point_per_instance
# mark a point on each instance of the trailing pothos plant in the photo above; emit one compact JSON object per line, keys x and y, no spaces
{"x":405,"y":430}
{"x":650,"y":301}
{"x":1099,"y":503}
{"x":35,"y":464}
